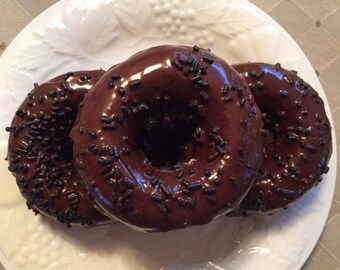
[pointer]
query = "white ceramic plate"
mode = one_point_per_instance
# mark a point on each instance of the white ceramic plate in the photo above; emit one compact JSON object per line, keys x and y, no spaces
{"x":80,"y":34}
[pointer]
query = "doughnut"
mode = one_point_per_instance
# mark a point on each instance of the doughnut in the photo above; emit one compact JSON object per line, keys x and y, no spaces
{"x":168,"y":139}
{"x":297,"y":143}
{"x":40,"y":150}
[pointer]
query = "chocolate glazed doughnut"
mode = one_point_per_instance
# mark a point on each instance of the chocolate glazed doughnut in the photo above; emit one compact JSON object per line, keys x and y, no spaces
{"x":168,"y":139}
{"x":40,"y":150}
{"x":297,"y":136}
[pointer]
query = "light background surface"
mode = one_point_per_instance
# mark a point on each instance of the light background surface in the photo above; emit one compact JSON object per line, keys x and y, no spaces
{"x":315,"y":26}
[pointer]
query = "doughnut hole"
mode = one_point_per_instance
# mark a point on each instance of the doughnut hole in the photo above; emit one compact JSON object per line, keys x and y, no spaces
{"x":163,"y":131}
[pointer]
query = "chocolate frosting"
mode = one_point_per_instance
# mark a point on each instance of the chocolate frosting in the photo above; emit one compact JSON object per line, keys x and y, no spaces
{"x":168,"y":139}
{"x":297,"y":136}
{"x":40,"y":150}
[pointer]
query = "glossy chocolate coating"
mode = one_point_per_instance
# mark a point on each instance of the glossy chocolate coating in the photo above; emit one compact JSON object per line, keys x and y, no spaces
{"x":218,"y":163}
{"x":297,"y":136}
{"x":40,"y":150}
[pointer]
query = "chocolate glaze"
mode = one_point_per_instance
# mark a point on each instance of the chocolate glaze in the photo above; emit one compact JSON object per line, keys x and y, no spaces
{"x":40,"y":150}
{"x":297,"y":136}
{"x":180,"y":96}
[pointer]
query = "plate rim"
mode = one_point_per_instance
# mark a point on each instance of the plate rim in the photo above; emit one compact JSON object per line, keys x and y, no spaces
{"x":5,"y":58}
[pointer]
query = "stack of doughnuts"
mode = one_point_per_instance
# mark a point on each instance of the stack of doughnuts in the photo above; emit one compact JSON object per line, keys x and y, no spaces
{"x":170,"y":138}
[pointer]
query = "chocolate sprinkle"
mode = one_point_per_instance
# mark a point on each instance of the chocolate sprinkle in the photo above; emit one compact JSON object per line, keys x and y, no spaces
{"x":122,"y":91}
{"x":194,"y":186}
{"x":211,"y":199}
{"x":157,"y":197}
{"x":311,"y":148}
{"x":111,"y":84}
{"x":195,"y":48}
{"x":177,"y":65}
{"x":135,"y":83}
{"x":207,"y":173}
{"x":202,"y":84}
{"x":213,"y":157}
{"x":208,"y":59}
{"x":181,"y":202}
{"x":284,"y":93}
{"x":228,"y":99}
{"x":110,"y":126}
{"x":190,"y":202}
{"x":180,"y":174}
{"x":209,"y":190}
{"x":165,"y":189}
{"x":115,"y":76}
